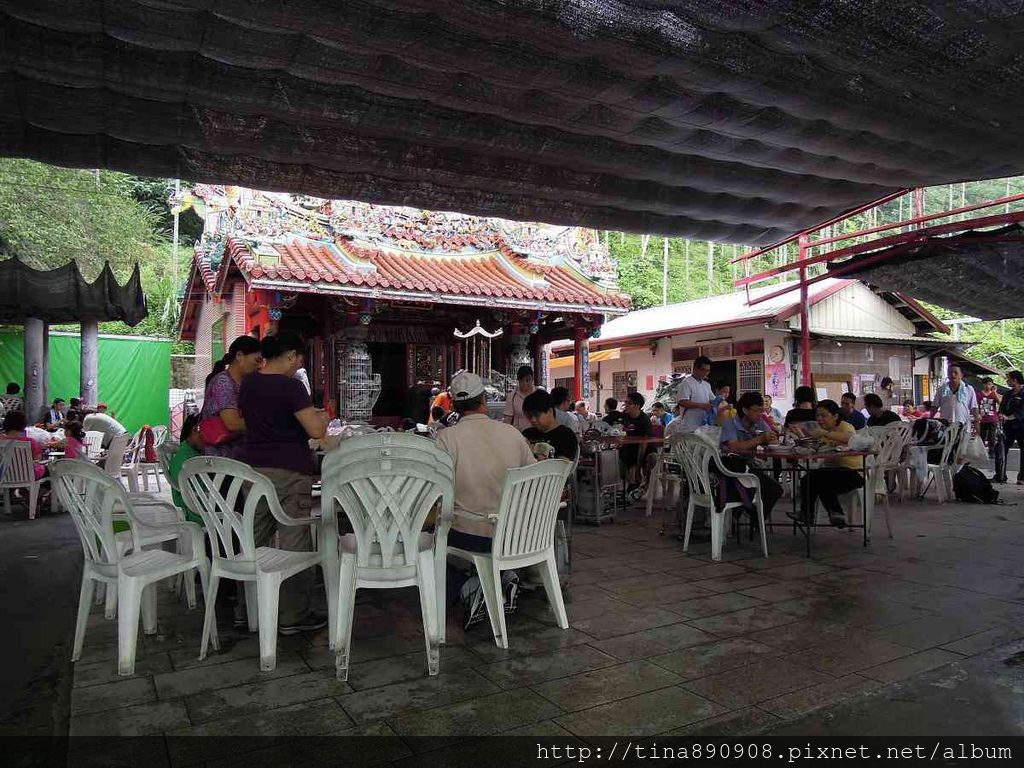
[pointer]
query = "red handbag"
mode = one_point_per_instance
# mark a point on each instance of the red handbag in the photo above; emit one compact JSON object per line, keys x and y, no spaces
{"x":214,"y":431}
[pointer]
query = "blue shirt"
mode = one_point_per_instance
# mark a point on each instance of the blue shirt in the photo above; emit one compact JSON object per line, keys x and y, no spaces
{"x":856,"y":419}
{"x":665,"y":419}
{"x":736,"y":429}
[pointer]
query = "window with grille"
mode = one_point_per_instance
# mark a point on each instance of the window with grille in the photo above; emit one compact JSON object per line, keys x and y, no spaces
{"x":751,"y":375}
{"x":683,"y":367}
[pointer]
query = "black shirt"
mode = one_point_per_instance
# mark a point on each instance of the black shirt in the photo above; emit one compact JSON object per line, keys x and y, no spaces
{"x":798,"y":415}
{"x":561,"y":438}
{"x":1012,"y":404}
{"x":885,"y":417}
{"x":613,"y":418}
{"x":638,"y":427}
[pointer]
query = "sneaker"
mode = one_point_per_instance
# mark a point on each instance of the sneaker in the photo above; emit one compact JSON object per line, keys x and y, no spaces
{"x":473,"y":601}
{"x":837,"y":519}
{"x":511,"y":595}
{"x":308,"y":623}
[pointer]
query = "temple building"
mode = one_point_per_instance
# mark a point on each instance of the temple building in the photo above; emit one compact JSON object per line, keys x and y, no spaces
{"x":389,"y":297}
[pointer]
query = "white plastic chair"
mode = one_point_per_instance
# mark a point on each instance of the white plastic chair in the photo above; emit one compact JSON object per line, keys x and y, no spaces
{"x":696,"y":455}
{"x":146,"y":469}
{"x":942,"y":473}
{"x":386,"y":484}
{"x":524,"y":535}
{"x":17,"y":470}
{"x":93,"y":444}
{"x":215,"y":488}
{"x":121,"y":561}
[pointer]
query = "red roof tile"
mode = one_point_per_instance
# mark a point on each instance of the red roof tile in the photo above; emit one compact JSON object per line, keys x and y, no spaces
{"x":481,"y":274}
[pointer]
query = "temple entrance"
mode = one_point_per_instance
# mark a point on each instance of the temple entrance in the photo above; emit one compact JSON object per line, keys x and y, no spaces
{"x":724,"y":372}
{"x":389,"y":361}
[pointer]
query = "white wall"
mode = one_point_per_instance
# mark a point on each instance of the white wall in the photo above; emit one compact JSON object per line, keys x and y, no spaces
{"x":856,"y":309}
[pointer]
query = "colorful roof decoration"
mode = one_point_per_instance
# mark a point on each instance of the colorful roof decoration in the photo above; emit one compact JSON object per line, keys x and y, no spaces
{"x":311,"y":245}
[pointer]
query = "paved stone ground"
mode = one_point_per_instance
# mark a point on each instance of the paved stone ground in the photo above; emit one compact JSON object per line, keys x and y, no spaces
{"x":660,"y":643}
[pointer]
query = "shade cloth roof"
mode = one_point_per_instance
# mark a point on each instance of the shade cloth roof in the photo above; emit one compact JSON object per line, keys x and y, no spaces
{"x":976,"y":273}
{"x":738,"y":122}
{"x":63,"y":295}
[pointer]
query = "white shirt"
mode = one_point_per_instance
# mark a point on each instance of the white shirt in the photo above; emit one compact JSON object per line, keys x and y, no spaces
{"x":101,"y":422}
{"x":301,"y":376}
{"x":514,"y":409}
{"x":483,"y":450}
{"x":698,"y":392}
{"x":568,"y":419}
{"x":957,"y":406}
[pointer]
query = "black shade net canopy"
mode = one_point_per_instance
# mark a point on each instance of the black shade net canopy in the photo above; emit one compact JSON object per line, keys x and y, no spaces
{"x":976,"y":273}
{"x":724,"y":120}
{"x":63,"y":295}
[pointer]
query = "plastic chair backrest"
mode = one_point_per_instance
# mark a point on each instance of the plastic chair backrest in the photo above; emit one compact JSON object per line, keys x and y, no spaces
{"x":164,"y":454}
{"x":160,"y":433}
{"x":693,"y":454}
{"x":387,"y":483}
{"x":93,"y":443}
{"x":116,"y":455}
{"x":951,"y":444}
{"x":528,"y":509}
{"x":226,"y":494}
{"x":90,"y":495}
{"x":17,"y":464}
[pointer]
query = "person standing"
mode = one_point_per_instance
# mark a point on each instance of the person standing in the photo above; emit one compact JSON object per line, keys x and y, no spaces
{"x":956,"y":401}
{"x":514,"y":404}
{"x":1011,"y":412}
{"x":695,"y":395}
{"x":243,"y":357}
{"x":988,"y":409}
{"x":280,"y":420}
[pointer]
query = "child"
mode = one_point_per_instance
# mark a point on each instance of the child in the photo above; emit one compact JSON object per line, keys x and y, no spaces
{"x":720,"y":407}
{"x":74,"y":441}
{"x":191,"y":446}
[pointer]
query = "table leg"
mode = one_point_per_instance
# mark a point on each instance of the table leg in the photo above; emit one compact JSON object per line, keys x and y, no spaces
{"x":864,"y":468}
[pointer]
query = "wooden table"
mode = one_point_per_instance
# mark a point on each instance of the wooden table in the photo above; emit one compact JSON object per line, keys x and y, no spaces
{"x":795,"y":462}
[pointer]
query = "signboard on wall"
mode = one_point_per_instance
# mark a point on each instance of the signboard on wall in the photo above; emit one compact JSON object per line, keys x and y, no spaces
{"x":906,"y":382}
{"x":775,"y":380}
{"x":623,"y":382}
{"x":585,"y":369}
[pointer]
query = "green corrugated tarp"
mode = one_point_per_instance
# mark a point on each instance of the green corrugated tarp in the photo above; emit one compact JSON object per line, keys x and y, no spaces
{"x":135,"y":373}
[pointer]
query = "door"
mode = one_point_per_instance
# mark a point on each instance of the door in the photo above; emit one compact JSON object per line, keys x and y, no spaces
{"x":389,"y":362}
{"x":724,"y":372}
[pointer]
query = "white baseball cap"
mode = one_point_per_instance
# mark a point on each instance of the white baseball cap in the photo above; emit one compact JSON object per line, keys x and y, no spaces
{"x":466,"y":386}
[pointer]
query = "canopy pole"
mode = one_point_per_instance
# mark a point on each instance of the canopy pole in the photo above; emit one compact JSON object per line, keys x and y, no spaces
{"x":805,"y":324}
{"x":578,"y":368}
{"x":90,"y":363}
{"x":46,"y":363}
{"x":35,"y":369}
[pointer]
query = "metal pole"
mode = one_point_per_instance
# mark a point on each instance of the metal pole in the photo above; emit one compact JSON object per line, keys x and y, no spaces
{"x":177,"y":189}
{"x":35,"y":369}
{"x":711,"y":266}
{"x":89,"y":366}
{"x":805,"y":325}
{"x":664,"y":274}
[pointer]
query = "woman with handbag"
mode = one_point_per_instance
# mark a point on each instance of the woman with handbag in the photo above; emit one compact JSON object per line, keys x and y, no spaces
{"x":220,"y":421}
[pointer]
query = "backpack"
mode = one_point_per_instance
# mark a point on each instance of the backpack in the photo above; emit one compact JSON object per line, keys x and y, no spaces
{"x":969,"y":484}
{"x":928,"y":431}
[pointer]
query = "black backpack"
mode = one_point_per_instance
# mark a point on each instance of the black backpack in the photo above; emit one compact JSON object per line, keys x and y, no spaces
{"x":928,"y":431}
{"x":969,"y":484}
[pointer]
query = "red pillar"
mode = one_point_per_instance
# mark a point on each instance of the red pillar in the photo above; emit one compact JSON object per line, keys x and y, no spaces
{"x":579,"y":349}
{"x":805,"y":325}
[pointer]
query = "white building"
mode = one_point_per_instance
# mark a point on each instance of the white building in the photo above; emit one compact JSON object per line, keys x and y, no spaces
{"x":858,"y":337}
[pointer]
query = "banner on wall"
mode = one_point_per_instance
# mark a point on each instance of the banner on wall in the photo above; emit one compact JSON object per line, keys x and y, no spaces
{"x":585,"y":369}
{"x":775,"y":380}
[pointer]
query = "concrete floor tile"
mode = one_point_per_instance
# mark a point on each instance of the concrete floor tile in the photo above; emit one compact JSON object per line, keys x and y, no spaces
{"x":644,"y":715}
{"x":797,"y":570}
{"x":615,"y":624}
{"x":852,"y":653}
{"x":911,"y":665}
{"x":743,"y":622}
{"x":779,"y":591}
{"x":639,"y":583}
{"x":749,"y":580}
{"x":220,"y":703}
{"x":932,"y":631}
{"x":800,"y":634}
{"x":524,"y":639}
{"x":725,"y":602}
{"x":106,"y":671}
{"x":710,"y":570}
{"x":231,"y":650}
{"x":136,"y":720}
{"x":656,"y":596}
{"x":983,"y":641}
{"x":424,"y":693}
{"x":526,"y":670}
{"x":477,"y":717}
{"x":607,"y":684}
{"x":753,"y":683}
{"x":186,"y":682}
{"x":652,"y":642}
{"x":121,"y":693}
{"x":711,"y":658}
{"x":411,"y":666}
{"x":798,"y":703}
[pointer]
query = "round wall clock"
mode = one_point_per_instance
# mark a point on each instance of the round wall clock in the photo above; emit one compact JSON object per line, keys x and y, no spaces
{"x":776,"y":354}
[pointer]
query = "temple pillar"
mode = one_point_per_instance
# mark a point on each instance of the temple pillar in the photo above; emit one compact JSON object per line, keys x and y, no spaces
{"x":580,"y":364}
{"x":539,"y":373}
{"x":90,"y":364}
{"x":35,"y":370}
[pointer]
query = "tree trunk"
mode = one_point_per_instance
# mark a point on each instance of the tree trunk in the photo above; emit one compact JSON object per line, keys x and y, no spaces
{"x":644,"y":241}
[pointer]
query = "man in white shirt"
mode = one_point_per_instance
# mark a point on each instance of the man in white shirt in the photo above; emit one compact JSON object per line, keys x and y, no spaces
{"x":563,"y":413}
{"x":483,"y":451}
{"x":956,"y":401}
{"x":514,"y":403}
{"x":695,"y":395}
{"x":101,"y":422}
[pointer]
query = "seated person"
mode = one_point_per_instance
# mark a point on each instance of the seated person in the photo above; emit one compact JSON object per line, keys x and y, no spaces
{"x":563,"y":405}
{"x":720,"y":407}
{"x":802,"y":411}
{"x":772,"y":415}
{"x":190,"y":447}
{"x":483,"y":450}
{"x":105,"y":423}
{"x":636,"y":424}
{"x":586,"y":418}
{"x":880,"y":415}
{"x":74,"y":441}
{"x":612,"y":414}
{"x":849,"y":412}
{"x":911,"y":411}
{"x":55,"y":416}
{"x":839,"y":474}
{"x":540,"y":410}
{"x":14,"y":429}
{"x":742,"y":434}
{"x":660,"y":415}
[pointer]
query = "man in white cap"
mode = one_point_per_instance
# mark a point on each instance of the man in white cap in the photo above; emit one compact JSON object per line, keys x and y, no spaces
{"x":483,"y":451}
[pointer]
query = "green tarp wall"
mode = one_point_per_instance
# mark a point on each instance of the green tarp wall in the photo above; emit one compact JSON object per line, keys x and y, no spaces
{"x":135,"y":373}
